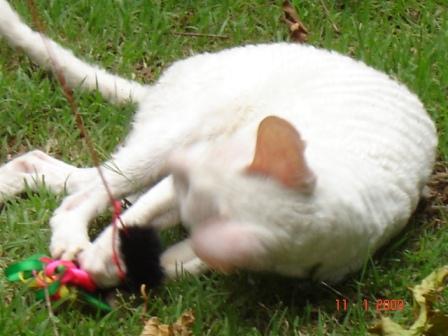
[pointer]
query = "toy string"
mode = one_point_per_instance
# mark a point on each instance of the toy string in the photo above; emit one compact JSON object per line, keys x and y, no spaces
{"x":68,"y":93}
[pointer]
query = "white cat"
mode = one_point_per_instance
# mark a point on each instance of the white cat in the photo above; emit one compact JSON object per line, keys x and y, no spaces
{"x":278,"y":157}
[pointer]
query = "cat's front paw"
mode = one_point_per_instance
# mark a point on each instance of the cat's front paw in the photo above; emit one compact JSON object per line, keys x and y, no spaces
{"x":68,"y":239}
{"x":66,"y":243}
{"x":98,"y":261}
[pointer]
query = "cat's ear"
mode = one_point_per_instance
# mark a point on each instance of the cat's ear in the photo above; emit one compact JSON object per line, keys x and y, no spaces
{"x":280,"y":154}
{"x":226,"y":246}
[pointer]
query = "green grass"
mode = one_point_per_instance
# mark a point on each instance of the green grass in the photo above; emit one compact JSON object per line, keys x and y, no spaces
{"x":407,"y":39}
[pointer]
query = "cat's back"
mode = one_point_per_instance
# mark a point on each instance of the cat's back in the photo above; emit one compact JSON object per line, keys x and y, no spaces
{"x":337,"y":103}
{"x":332,"y":99}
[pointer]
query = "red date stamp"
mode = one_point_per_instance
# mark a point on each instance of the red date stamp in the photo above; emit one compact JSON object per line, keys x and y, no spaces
{"x":380,"y":305}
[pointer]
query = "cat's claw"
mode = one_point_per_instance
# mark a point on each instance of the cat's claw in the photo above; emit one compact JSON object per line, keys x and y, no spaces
{"x":98,"y":261}
{"x":67,"y":245}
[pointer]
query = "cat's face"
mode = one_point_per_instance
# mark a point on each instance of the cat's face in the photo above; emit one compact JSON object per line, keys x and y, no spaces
{"x":235,"y":200}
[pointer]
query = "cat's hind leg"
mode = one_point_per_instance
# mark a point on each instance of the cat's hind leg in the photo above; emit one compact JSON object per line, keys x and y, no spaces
{"x":179,"y":259}
{"x":36,"y":168}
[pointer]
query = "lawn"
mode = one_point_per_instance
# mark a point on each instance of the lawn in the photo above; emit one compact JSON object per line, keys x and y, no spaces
{"x":407,"y":39}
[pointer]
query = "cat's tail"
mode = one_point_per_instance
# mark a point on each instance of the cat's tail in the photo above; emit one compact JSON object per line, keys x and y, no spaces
{"x":51,"y":55}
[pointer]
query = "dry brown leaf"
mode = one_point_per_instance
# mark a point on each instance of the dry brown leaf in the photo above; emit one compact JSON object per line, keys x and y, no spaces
{"x":429,"y":321}
{"x":182,"y":327}
{"x":297,"y":29}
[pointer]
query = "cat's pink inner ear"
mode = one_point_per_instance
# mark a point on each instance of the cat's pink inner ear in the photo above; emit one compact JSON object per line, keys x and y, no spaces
{"x":226,"y":246}
{"x":280,"y":154}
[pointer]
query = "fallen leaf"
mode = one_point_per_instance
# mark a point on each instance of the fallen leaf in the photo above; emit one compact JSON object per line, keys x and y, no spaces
{"x":297,"y":29}
{"x":153,"y":327}
{"x":387,"y":327}
{"x":182,"y":327}
{"x":429,"y":321}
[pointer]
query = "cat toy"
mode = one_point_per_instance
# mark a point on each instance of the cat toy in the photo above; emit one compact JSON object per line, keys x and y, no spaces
{"x":59,"y":279}
{"x":140,"y":251}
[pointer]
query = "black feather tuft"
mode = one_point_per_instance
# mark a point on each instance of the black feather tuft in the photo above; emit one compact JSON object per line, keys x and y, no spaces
{"x":141,"y":250}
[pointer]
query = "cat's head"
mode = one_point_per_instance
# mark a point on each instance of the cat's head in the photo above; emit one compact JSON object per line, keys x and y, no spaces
{"x":240,"y":204}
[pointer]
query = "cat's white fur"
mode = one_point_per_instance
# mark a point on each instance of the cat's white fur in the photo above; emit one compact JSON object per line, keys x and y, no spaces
{"x":370,"y":148}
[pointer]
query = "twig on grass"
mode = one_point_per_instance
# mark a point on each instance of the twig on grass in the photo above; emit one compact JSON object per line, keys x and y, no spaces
{"x":50,"y":312}
{"x":217,"y":36}
{"x":327,"y":12}
{"x":334,"y":290}
{"x":144,"y":295}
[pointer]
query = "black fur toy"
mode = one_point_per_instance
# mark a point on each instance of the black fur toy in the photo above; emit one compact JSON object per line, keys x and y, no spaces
{"x":141,"y":249}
